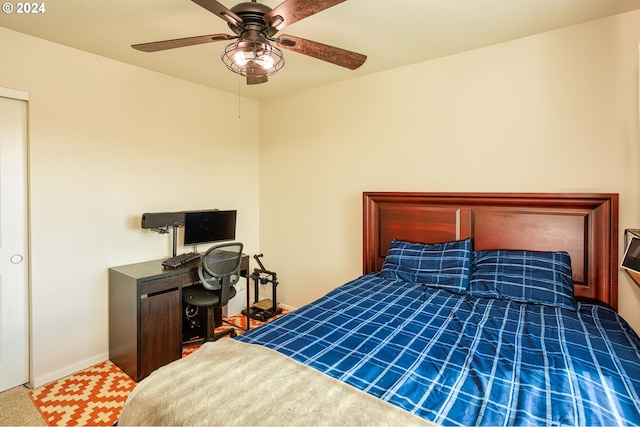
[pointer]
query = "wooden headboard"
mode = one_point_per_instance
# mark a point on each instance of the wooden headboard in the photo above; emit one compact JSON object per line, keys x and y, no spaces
{"x":584,"y":225}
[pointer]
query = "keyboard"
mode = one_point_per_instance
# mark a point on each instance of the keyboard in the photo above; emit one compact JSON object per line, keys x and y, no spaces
{"x":180,"y":260}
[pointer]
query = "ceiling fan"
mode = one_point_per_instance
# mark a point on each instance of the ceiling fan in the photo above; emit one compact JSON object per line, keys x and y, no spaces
{"x":255,"y":52}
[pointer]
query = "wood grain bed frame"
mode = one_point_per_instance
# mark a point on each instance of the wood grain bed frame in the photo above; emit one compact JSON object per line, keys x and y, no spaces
{"x":584,"y":225}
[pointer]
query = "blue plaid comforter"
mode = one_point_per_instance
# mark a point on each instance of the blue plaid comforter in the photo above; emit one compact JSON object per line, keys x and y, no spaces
{"x":458,"y":360}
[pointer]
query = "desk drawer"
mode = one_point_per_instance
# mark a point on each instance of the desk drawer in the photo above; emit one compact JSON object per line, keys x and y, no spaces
{"x":159,"y":285}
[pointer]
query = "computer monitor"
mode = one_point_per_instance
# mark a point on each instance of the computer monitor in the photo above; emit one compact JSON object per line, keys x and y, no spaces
{"x":209,"y":226}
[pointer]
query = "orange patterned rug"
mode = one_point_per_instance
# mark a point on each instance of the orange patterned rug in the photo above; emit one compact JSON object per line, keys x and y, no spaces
{"x":95,"y":396}
{"x":91,"y":397}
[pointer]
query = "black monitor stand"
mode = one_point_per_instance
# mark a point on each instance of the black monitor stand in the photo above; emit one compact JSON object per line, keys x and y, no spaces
{"x":175,"y":240}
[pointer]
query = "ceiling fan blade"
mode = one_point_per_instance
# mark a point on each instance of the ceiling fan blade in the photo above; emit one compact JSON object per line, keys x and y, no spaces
{"x":219,"y":10}
{"x":187,"y":41}
{"x":335,"y":55}
{"x":290,"y":11}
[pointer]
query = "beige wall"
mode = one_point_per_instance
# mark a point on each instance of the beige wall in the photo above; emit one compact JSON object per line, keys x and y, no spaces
{"x":108,"y":142}
{"x":557,"y":112}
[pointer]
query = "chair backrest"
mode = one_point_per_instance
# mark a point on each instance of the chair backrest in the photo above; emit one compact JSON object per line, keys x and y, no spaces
{"x":219,"y":268}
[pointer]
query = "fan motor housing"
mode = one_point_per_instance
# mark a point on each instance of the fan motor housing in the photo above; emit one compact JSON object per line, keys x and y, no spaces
{"x":250,"y":8}
{"x":252,"y":14}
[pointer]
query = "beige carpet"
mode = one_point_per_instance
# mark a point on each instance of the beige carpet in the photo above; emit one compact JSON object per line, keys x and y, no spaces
{"x":17,"y":409}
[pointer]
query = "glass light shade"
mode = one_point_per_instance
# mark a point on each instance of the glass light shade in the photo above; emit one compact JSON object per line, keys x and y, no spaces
{"x":253,"y":58}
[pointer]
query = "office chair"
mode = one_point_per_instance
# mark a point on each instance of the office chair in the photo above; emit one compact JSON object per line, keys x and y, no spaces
{"x":219,"y":270}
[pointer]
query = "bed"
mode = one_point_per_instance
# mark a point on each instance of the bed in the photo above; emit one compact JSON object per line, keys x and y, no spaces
{"x":472,"y":309}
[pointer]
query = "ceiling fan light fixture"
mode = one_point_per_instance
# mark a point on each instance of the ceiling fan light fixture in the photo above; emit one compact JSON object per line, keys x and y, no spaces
{"x":250,"y":58}
{"x":255,"y":53}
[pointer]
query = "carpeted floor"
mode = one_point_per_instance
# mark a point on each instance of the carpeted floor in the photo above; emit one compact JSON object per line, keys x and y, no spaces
{"x":94,"y":396}
{"x":17,"y":409}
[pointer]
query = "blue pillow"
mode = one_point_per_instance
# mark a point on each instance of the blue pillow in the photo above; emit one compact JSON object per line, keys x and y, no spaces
{"x":443,"y":265}
{"x":524,"y":276}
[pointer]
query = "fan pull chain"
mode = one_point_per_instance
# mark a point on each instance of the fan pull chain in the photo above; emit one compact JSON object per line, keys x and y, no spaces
{"x":238,"y":97}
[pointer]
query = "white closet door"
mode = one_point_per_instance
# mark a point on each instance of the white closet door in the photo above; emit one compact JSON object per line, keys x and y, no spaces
{"x":14,"y":304}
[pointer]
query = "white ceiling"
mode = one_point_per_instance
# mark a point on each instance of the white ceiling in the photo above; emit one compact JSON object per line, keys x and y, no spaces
{"x":392,"y":33}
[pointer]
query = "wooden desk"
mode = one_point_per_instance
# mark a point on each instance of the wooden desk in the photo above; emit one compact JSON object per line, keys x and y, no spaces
{"x":145,"y":314}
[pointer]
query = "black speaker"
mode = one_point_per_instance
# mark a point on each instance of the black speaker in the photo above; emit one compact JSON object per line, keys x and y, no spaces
{"x":162,"y":219}
{"x":194,"y":322}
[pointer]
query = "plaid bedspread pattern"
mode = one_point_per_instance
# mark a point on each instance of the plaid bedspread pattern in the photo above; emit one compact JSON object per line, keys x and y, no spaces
{"x":460,"y":360}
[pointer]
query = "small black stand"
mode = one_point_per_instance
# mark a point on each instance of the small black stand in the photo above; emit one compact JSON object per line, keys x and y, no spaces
{"x":175,"y":240}
{"x":260,"y":311}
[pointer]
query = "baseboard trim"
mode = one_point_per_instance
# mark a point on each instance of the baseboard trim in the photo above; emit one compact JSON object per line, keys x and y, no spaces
{"x":67,"y":370}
